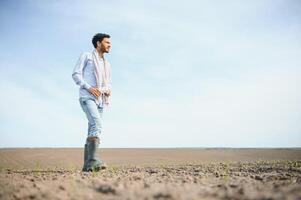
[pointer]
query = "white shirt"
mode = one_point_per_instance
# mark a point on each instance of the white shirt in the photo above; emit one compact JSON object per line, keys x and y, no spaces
{"x":84,"y":76}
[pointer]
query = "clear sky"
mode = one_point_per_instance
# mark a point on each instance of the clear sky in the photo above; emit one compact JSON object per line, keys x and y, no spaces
{"x":184,"y":73}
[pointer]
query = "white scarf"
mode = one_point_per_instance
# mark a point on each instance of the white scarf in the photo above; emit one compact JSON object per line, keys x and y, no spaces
{"x":101,"y":81}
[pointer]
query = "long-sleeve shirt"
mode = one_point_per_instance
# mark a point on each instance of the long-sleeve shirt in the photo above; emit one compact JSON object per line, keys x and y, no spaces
{"x":84,"y":76}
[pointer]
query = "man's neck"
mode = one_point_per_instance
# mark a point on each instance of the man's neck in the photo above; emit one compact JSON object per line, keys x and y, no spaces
{"x":100,"y":53}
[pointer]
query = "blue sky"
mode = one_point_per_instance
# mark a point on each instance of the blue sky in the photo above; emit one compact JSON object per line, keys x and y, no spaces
{"x":184,"y":73}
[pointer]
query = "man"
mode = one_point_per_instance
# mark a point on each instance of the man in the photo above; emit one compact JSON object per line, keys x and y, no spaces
{"x":93,"y":74}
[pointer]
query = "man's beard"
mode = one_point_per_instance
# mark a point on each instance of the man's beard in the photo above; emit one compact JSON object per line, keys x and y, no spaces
{"x":105,"y":51}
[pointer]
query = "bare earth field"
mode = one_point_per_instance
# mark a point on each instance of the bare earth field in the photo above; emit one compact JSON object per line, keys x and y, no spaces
{"x":180,"y":173}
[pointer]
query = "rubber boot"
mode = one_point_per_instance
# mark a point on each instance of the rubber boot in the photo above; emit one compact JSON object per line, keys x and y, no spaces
{"x":85,"y":157}
{"x":93,"y":162}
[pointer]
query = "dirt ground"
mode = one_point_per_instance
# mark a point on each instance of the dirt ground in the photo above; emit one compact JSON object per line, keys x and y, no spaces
{"x":152,"y":174}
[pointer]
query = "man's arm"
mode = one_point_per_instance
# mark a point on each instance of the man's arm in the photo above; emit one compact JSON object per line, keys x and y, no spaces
{"x":77,"y":73}
{"x":77,"y":76}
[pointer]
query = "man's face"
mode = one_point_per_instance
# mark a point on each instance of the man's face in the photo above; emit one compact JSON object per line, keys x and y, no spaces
{"x":105,"y":45}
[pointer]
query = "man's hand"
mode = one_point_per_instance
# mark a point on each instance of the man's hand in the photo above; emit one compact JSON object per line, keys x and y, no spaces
{"x":109,"y":92}
{"x":94,"y":91}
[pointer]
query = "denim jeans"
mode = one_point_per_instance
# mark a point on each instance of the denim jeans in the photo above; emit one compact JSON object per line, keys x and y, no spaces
{"x":94,"y":115}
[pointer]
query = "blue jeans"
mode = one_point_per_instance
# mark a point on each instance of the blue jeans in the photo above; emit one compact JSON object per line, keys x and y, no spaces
{"x":94,"y":115}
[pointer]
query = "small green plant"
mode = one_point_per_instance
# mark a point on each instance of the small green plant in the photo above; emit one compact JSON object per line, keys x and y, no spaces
{"x":226,"y":171}
{"x":94,"y":173}
{"x":296,"y":164}
{"x":37,"y":168}
{"x":162,"y":165}
{"x":112,"y":169}
{"x":73,"y":168}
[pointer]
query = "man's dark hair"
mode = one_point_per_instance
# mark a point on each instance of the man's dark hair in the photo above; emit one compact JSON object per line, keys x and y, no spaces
{"x":99,"y":37}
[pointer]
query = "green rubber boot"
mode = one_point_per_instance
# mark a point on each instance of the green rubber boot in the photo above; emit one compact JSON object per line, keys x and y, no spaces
{"x":93,"y":162}
{"x":85,"y":157}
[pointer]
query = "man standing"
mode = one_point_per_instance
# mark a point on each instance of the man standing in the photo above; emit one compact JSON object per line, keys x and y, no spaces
{"x":93,"y":74}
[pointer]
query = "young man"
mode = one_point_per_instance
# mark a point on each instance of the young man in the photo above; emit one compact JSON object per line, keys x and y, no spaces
{"x":93,"y":74}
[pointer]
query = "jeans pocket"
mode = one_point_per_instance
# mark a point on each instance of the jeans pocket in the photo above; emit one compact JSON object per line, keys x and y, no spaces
{"x":82,"y":102}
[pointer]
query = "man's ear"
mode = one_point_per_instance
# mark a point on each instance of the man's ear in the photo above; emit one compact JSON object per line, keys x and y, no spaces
{"x":98,"y":43}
